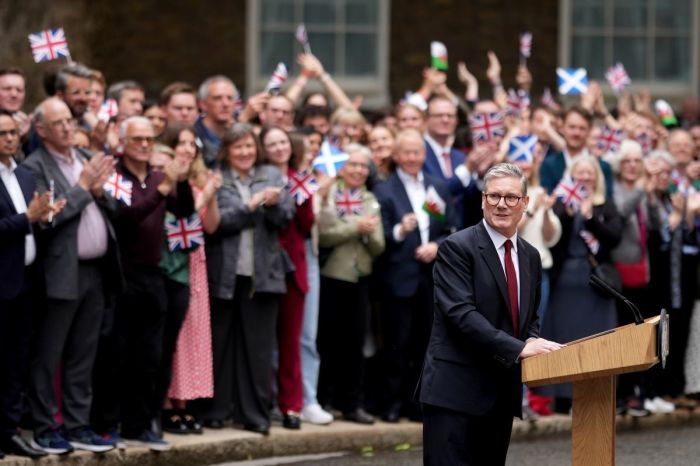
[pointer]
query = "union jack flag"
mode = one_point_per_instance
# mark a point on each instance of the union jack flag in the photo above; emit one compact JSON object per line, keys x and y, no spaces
{"x":525,"y":44}
{"x":644,"y":140}
{"x":277,"y":79}
{"x":591,"y":241}
{"x":610,"y":139}
{"x":486,"y":126}
{"x":119,"y":187}
{"x":348,"y":202}
{"x":617,"y":77}
{"x":570,"y":192}
{"x":184,"y":233}
{"x":548,"y":100}
{"x":108,"y":109}
{"x":302,"y":185}
{"x":516,"y":102}
{"x":49,"y":45}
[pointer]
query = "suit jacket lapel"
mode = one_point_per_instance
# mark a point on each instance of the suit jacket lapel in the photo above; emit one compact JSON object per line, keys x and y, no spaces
{"x":6,"y":195}
{"x":403,"y":199}
{"x":525,"y":285}
{"x":490,"y":255}
{"x":53,"y":172}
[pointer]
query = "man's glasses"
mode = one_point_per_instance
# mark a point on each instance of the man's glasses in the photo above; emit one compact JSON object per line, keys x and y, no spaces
{"x":493,"y":199}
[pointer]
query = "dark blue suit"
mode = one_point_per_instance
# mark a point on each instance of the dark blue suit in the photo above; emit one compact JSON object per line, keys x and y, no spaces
{"x":15,"y":304}
{"x":407,"y":302}
{"x":431,"y":166}
{"x":554,"y":166}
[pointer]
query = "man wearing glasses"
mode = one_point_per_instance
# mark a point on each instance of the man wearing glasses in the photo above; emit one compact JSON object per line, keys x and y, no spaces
{"x":487,"y":284}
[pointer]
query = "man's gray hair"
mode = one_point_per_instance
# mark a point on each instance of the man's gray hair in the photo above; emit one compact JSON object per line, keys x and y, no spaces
{"x":355,"y":147}
{"x":506,"y":170}
{"x":662,"y":155}
{"x":76,"y":70}
{"x":203,"y":91}
{"x":116,"y":90}
{"x":124,"y":128}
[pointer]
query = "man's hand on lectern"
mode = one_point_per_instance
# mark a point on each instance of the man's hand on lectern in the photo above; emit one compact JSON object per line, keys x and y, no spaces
{"x":534,"y":346}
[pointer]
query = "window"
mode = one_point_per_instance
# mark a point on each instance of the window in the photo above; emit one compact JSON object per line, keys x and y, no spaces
{"x":656,"y":40}
{"x":350,"y":37}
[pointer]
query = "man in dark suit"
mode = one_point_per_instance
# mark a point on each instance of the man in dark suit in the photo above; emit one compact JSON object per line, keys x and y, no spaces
{"x":412,"y":232}
{"x":80,"y":266}
{"x":20,"y":208}
{"x":487,"y":290}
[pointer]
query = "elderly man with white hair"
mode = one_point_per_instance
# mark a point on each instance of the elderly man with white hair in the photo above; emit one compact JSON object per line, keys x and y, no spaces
{"x":141,"y":308}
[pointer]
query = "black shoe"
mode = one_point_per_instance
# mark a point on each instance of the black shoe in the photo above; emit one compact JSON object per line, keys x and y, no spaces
{"x":192,"y":423}
{"x":263,"y":429}
{"x":173,"y":423}
{"x":291,"y":420}
{"x":16,"y":445}
{"x":214,"y":424}
{"x":392,"y":414}
{"x":359,"y":415}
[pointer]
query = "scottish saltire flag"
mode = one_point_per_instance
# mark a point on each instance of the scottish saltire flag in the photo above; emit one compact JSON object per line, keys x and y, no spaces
{"x":184,"y":233}
{"x":486,"y":126}
{"x":277,"y":79}
{"x":438,"y":55}
{"x":617,"y":77}
{"x":525,"y":44}
{"x":516,"y":102}
{"x":119,"y":187}
{"x":591,"y":241}
{"x":548,"y":100}
{"x":302,"y":185}
{"x":303,"y":38}
{"x":610,"y":139}
{"x":348,"y":202}
{"x":108,"y":109}
{"x":330,"y":159}
{"x":572,"y":80}
{"x":522,"y":148}
{"x":571,"y":192}
{"x":49,"y":45}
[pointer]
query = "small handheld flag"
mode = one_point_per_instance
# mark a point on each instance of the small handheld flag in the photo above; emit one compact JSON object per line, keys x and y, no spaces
{"x":617,"y":77}
{"x":49,"y":45}
{"x":591,"y":241}
{"x":610,"y":139}
{"x":277,"y":79}
{"x":548,"y":100}
{"x":517,"y":102}
{"x":434,"y":205}
{"x":438,"y":55}
{"x":522,"y":148}
{"x":571,"y":192}
{"x":108,"y":109}
{"x":486,"y":126}
{"x":51,"y":198}
{"x":184,"y":233}
{"x":119,"y":187}
{"x":348,"y":202}
{"x":572,"y":80}
{"x":525,"y":45}
{"x":302,"y":185}
{"x":303,"y":38}
{"x":330,"y":159}
{"x":665,"y":113}
{"x":644,"y":139}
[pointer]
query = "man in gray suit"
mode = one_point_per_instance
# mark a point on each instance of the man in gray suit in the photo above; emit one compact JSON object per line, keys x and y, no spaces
{"x":79,"y":247}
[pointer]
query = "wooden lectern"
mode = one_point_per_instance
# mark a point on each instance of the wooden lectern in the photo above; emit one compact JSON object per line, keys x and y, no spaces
{"x":592,"y":364}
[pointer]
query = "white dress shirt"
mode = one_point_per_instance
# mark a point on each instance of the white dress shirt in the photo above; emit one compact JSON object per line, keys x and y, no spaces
{"x":459,"y":171}
{"x":415,"y":189}
{"x":499,"y":242}
{"x":9,"y":179}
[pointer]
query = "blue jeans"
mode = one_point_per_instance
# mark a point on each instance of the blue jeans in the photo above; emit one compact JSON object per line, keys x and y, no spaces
{"x":310,"y":360}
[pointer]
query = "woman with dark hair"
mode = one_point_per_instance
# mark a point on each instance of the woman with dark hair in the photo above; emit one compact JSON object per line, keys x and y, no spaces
{"x":247,"y":268}
{"x":154,"y":112}
{"x":277,"y":151}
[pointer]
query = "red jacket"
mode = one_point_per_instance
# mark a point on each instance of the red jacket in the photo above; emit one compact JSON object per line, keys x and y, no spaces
{"x":293,"y":236}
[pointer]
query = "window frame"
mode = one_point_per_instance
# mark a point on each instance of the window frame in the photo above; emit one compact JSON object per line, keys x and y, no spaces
{"x":375,"y":90}
{"x":659,"y":88}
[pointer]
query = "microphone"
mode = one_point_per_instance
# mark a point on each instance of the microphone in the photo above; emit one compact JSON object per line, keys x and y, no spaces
{"x":597,"y":283}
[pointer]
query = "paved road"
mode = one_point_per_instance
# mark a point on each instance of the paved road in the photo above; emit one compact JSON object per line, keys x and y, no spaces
{"x":651,"y":447}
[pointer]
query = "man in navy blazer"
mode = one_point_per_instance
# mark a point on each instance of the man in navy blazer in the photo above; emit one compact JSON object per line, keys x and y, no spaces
{"x":487,"y":290}
{"x":20,"y":207}
{"x":412,"y":236}
{"x":442,"y":160}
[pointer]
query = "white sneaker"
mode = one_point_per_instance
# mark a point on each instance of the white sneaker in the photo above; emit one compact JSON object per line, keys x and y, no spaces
{"x":658,"y":405}
{"x":314,"y":414}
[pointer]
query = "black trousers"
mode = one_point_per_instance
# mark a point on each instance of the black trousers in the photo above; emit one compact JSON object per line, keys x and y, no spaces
{"x":451,"y":438}
{"x":140,"y":324}
{"x":243,"y":338}
{"x":106,"y":374}
{"x":15,"y":340}
{"x":406,"y":326}
{"x":342,"y":323}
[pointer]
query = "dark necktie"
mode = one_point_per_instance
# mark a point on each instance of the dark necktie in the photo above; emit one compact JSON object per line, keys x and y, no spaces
{"x":512,"y":280}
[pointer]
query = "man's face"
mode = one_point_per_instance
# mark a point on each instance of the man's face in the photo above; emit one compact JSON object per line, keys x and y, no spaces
{"x":410,"y":154}
{"x":97,"y":96}
{"x":57,"y":125}
{"x":410,"y":117}
{"x":318,"y":123}
{"x":680,"y":145}
{"x":575,"y":131}
{"x":9,"y":136}
{"x":442,"y":119}
{"x":279,"y":111}
{"x":695,"y":134}
{"x":76,"y":95}
{"x":501,"y":217}
{"x":138,"y":143}
{"x":218,"y":106}
{"x":11,"y":92}
{"x":131,"y":103}
{"x":181,"y":108}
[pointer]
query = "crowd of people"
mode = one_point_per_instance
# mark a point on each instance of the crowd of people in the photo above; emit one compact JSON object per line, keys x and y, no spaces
{"x":190,"y":261}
